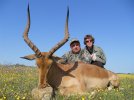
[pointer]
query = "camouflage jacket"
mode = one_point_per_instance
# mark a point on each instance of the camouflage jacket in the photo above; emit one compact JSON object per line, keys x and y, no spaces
{"x":100,"y":56}
{"x":70,"y":57}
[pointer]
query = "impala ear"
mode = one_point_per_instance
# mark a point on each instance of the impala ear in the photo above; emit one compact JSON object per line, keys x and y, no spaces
{"x":29,"y":57}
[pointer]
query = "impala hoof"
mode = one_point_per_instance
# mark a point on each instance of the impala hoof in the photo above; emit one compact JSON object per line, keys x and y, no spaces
{"x":41,"y":86}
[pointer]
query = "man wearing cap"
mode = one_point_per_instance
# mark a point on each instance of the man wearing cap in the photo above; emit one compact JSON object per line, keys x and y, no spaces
{"x":75,"y":54}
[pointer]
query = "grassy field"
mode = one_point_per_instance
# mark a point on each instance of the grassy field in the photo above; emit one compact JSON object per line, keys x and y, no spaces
{"x":16,"y":83}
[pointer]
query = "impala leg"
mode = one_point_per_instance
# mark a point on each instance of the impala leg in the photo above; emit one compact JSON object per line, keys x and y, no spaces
{"x":71,"y":90}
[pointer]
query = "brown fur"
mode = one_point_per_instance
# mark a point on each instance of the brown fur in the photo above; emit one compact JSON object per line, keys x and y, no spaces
{"x":77,"y":77}
{"x":67,"y":78}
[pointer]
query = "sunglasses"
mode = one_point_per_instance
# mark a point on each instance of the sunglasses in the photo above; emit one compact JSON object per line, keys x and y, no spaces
{"x":89,"y":41}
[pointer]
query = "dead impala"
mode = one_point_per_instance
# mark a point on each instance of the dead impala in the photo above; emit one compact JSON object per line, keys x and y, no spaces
{"x":67,"y":78}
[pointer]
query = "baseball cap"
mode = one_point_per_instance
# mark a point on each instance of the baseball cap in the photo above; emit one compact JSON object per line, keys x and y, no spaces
{"x":74,"y":40}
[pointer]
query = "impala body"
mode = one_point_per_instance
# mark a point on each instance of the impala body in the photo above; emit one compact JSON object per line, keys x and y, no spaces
{"x":71,"y":78}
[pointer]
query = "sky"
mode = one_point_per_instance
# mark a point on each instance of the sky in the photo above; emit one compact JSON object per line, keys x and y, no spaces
{"x":111,"y":22}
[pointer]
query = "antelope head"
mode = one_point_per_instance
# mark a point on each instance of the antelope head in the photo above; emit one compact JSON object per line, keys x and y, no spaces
{"x":44,"y":60}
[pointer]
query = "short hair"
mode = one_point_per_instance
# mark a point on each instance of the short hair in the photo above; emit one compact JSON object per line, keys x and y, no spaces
{"x":87,"y":37}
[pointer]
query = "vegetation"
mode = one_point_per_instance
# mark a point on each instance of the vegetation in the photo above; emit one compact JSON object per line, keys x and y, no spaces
{"x":17,"y":82}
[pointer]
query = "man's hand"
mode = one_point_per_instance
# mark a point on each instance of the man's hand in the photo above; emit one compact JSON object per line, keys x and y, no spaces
{"x":93,"y":56}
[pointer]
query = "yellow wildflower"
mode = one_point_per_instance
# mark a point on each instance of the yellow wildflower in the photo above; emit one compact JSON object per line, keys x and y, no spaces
{"x":83,"y":98}
{"x":24,"y":98}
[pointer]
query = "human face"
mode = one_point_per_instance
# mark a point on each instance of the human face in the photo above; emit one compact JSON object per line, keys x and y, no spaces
{"x":89,"y":42}
{"x":75,"y":47}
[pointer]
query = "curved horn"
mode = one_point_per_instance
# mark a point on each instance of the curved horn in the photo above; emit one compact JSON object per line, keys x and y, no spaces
{"x":25,"y":36}
{"x":62,"y":42}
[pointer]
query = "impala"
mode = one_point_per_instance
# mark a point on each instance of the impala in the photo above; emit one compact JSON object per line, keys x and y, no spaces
{"x":76,"y":77}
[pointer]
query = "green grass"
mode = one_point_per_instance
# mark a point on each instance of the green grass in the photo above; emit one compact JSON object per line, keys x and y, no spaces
{"x":17,"y":82}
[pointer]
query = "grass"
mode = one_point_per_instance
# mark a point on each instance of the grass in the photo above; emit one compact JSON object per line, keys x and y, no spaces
{"x":17,"y":82}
